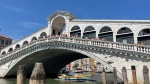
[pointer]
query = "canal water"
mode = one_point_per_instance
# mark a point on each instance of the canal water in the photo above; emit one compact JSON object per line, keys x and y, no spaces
{"x":48,"y":81}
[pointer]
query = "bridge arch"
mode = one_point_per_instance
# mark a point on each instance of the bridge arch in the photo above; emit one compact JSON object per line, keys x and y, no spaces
{"x":25,"y":43}
{"x":125,"y":35}
{"x":34,"y":39}
{"x":58,"y":25}
{"x":17,"y":46}
{"x":75,"y":31}
{"x":89,"y":32}
{"x":49,"y":50}
{"x":3,"y":53}
{"x":43,"y":34}
{"x":10,"y":50}
{"x":46,"y":58}
{"x":144,"y":36}
{"x":106,"y":34}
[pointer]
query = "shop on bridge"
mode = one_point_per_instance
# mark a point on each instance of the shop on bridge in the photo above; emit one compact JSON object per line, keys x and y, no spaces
{"x":89,"y":32}
{"x":144,"y":37}
{"x":106,"y":34}
{"x":125,"y":35}
{"x":75,"y":32}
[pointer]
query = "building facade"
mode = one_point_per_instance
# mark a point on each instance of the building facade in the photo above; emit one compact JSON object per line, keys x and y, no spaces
{"x":4,"y":41}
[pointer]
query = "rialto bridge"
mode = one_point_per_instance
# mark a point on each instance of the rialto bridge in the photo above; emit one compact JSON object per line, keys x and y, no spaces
{"x":66,"y":38}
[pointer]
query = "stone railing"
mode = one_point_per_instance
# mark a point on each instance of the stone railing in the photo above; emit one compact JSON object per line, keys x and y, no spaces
{"x":106,"y":44}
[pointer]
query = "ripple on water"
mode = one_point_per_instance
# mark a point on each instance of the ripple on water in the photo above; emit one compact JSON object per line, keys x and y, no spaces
{"x":48,"y":81}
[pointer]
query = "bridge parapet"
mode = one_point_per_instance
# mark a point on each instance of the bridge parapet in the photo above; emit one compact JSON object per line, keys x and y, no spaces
{"x":106,"y":44}
{"x":87,"y":46}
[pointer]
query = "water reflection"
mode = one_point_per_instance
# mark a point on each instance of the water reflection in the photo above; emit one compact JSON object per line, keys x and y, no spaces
{"x":48,"y":81}
{"x":7,"y":81}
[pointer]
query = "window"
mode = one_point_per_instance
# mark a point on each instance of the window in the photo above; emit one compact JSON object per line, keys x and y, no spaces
{"x":2,"y":41}
{"x":6,"y":43}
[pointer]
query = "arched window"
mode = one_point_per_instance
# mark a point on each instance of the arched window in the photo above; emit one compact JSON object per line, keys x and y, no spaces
{"x":3,"y":41}
{"x":144,"y":36}
{"x":43,"y":34}
{"x":75,"y":28}
{"x":17,"y":46}
{"x":106,"y":34}
{"x":75,"y":31}
{"x":124,"y":30}
{"x":11,"y":49}
{"x":89,"y":28}
{"x":33,"y":39}
{"x":25,"y":43}
{"x":105,"y":29}
{"x":89,"y":32}
{"x":144,"y":32}
{"x":3,"y":53}
{"x":58,"y":26}
{"x":125,"y":35}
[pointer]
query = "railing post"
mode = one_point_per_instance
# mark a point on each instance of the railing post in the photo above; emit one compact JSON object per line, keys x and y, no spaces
{"x":73,"y":40}
{"x":110,"y":45}
{"x":146,"y":74}
{"x":47,"y":40}
{"x":90,"y":42}
{"x":36,"y":42}
{"x":134,"y":74}
{"x":124,"y":73}
{"x":58,"y":38}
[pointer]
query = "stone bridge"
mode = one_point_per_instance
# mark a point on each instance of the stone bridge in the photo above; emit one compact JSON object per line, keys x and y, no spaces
{"x":66,"y":39}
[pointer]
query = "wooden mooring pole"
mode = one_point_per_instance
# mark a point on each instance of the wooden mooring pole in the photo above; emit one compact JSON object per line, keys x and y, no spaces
{"x":21,"y":76}
{"x":124,"y":74}
{"x":146,"y":74}
{"x":115,"y":75}
{"x":38,"y":75}
{"x":134,"y":75}
{"x":104,"y":76}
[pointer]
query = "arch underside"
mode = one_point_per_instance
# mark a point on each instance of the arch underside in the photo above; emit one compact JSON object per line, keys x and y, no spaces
{"x":56,"y":57}
{"x":58,"y":25}
{"x":53,"y":60}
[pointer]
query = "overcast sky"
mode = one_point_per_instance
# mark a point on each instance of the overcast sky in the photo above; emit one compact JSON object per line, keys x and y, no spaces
{"x":19,"y":18}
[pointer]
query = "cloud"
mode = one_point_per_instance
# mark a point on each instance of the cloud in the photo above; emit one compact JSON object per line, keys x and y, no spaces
{"x":31,"y":24}
{"x":12,"y":8}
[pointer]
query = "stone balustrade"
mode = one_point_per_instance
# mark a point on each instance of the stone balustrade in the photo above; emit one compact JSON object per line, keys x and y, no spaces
{"x":98,"y":43}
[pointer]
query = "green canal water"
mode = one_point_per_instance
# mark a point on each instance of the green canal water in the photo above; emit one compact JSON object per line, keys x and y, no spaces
{"x":48,"y":81}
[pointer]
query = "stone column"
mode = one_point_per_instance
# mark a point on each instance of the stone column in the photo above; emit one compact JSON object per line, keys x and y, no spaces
{"x":50,"y":28}
{"x":21,"y":76}
{"x":38,"y":75}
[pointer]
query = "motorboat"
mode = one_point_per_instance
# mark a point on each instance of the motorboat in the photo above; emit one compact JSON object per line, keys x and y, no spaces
{"x":71,"y":76}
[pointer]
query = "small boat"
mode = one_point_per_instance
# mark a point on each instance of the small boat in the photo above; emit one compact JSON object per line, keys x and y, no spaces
{"x":74,"y":76}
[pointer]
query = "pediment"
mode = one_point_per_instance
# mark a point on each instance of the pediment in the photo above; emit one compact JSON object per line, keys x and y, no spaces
{"x":62,"y":13}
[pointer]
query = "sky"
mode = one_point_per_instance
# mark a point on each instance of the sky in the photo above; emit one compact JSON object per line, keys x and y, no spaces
{"x":20,"y":18}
